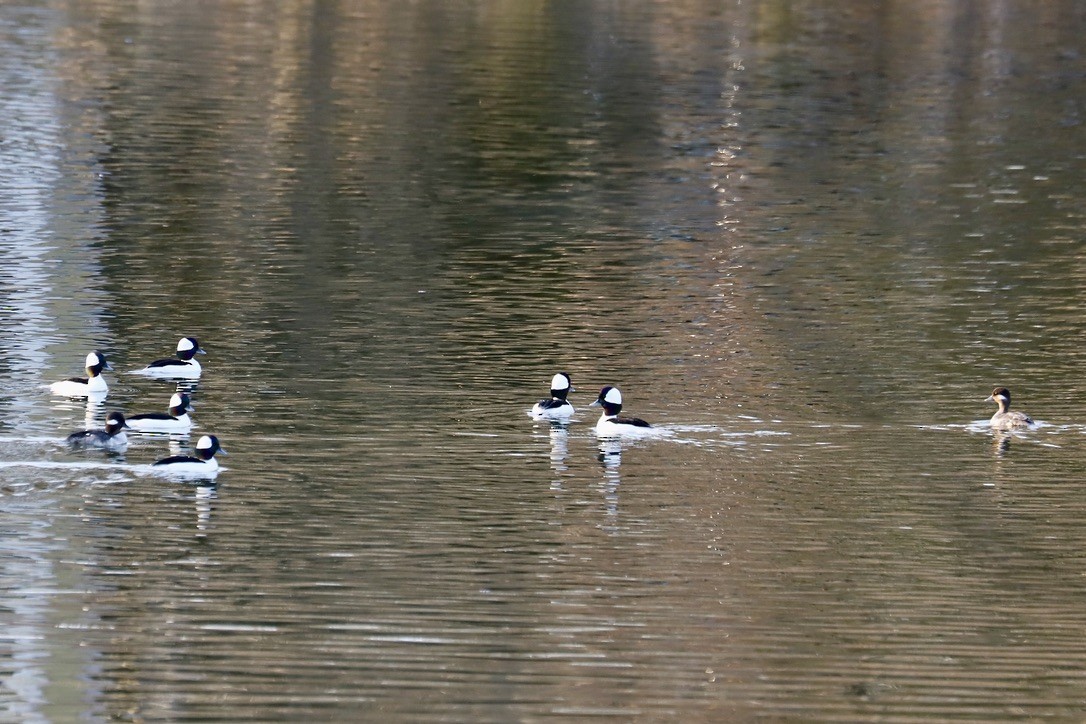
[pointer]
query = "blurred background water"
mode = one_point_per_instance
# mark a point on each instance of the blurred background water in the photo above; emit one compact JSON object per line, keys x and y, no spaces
{"x":806,"y":238}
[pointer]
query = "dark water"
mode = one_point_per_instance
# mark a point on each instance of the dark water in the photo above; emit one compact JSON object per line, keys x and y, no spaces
{"x":806,"y":239}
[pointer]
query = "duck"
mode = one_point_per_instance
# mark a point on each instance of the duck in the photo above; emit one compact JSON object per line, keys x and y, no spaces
{"x":183,"y":366}
{"x":1006,"y":418}
{"x":556,"y":407}
{"x":112,"y":438}
{"x":610,"y":423}
{"x":93,"y":385}
{"x":175,"y":419}
{"x":203,"y":464}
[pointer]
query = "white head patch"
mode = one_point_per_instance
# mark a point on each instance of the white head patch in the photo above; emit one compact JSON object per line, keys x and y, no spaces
{"x":613,"y":396}
{"x":175,"y":401}
{"x":559,"y":382}
{"x":185,"y":345}
{"x":93,"y":359}
{"x":204,"y":443}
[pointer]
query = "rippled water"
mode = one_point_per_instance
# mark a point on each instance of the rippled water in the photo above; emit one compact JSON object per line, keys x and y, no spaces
{"x":805,"y":239}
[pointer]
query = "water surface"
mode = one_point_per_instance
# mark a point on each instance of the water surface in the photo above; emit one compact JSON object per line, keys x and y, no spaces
{"x":805,"y":239}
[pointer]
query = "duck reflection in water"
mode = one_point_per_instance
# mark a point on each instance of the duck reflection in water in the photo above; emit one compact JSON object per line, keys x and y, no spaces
{"x":559,"y":438}
{"x":187,"y":387}
{"x":95,"y":411}
{"x":610,"y":457}
{"x":206,"y":493}
{"x":1001,"y":442}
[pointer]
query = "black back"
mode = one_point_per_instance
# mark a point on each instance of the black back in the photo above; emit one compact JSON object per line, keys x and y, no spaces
{"x":177,"y":459}
{"x":85,"y":437}
{"x":552,"y":403}
{"x":168,"y":363}
{"x":152,"y":416}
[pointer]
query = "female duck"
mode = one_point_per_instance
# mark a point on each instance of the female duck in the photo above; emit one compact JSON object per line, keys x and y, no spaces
{"x":203,"y":464}
{"x":181,"y":367}
{"x":1005,"y":418}
{"x":610,"y":424}
{"x":93,"y":385}
{"x":112,"y":438}
{"x":175,"y":419}
{"x":557,"y":407}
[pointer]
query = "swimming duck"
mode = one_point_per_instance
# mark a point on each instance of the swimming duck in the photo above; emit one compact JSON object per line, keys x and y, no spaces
{"x":610,"y":424}
{"x":93,"y":385}
{"x":175,"y":419}
{"x":557,"y":407}
{"x":112,"y":438}
{"x":1006,"y":418}
{"x":203,"y":464}
{"x":183,"y":366}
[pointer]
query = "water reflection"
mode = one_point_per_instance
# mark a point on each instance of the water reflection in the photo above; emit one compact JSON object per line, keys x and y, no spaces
{"x":559,"y":440}
{"x":1001,"y":443}
{"x":205,"y":495}
{"x":610,"y":457}
{"x":27,"y":560}
{"x":94,"y":412}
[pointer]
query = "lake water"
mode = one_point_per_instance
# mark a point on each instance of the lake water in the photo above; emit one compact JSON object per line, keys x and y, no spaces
{"x":806,"y":239}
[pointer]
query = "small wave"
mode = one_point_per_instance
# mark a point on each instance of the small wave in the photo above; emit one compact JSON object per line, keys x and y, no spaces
{"x":165,"y":472}
{"x":984,"y":426}
{"x":35,"y":439}
{"x":699,"y":435}
{"x":60,"y":465}
{"x":724,"y":432}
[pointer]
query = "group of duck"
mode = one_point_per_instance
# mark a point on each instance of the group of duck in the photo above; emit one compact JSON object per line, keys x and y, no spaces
{"x":182,"y":367}
{"x":558,"y":409}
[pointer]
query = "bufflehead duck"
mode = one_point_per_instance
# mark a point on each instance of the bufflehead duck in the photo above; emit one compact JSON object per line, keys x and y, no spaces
{"x":203,"y":464}
{"x":112,"y":438}
{"x":90,"y":386}
{"x":556,"y":408}
{"x":1005,"y":418}
{"x":610,"y":424}
{"x":175,"y":419}
{"x":181,"y":367}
